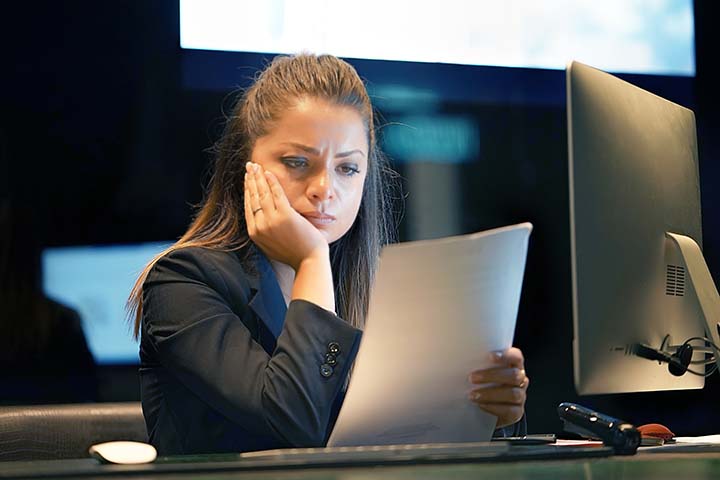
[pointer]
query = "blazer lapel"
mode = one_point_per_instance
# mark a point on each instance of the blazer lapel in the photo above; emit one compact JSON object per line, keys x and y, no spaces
{"x":268,"y":302}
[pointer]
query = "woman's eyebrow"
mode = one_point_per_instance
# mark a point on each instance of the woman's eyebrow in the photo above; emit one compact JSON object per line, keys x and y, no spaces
{"x":305,"y":148}
{"x":349,"y":153}
{"x":315,"y":151}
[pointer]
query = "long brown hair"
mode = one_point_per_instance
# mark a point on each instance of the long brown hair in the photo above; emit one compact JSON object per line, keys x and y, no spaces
{"x":220,"y":223}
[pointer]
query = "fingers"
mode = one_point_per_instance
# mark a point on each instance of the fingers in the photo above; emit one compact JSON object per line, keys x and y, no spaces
{"x":261,"y":200}
{"x":507,"y":367}
{"x":500,"y":375}
{"x":514,"y":357}
{"x":500,"y":395}
{"x":260,"y":197}
{"x":278,"y":194}
{"x":503,"y":390}
{"x":265,"y":197}
{"x":251,"y":190}
{"x":249,"y":217}
{"x":506,"y":402}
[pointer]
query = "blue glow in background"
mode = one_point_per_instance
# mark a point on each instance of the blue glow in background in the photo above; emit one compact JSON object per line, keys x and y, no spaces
{"x":96,"y":281}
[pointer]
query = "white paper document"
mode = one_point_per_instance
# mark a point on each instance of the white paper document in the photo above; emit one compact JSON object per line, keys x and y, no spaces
{"x":704,"y":440}
{"x":437,"y":310}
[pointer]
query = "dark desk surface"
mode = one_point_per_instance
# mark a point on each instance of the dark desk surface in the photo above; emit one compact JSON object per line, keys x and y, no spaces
{"x":644,"y":465}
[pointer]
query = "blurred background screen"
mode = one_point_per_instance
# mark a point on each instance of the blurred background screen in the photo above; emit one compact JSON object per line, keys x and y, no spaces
{"x":96,"y":282}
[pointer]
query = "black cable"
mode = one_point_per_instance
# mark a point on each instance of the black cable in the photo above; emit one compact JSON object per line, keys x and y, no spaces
{"x":716,"y":350}
{"x":707,"y":341}
{"x":650,"y":353}
{"x":708,"y":361}
{"x":702,"y":374}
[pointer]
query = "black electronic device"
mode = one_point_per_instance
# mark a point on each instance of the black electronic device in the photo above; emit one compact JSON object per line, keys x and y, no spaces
{"x":622,"y":436}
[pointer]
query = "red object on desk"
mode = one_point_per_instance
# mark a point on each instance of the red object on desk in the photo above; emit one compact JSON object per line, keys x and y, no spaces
{"x":656,"y":430}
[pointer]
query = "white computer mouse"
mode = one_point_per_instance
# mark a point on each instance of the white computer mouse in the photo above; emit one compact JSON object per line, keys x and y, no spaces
{"x":123,"y":452}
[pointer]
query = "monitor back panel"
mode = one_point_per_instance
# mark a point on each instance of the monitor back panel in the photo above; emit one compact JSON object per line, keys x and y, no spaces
{"x":633,"y":176}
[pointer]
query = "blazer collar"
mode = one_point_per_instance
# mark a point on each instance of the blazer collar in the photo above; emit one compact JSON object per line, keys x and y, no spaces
{"x":268,"y":302}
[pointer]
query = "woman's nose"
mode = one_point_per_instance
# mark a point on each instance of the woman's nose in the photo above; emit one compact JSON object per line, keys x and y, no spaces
{"x":321,"y":186}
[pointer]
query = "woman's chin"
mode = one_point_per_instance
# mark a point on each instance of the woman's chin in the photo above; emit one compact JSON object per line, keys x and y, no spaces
{"x":327,"y":234}
{"x":333,"y":235}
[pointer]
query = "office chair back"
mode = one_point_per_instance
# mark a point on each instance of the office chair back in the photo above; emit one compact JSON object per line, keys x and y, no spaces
{"x":45,"y":432}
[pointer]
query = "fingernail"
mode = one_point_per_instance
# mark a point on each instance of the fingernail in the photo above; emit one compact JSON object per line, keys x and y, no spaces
{"x":475,"y":396}
{"x":248,"y":165}
{"x":496,"y":356}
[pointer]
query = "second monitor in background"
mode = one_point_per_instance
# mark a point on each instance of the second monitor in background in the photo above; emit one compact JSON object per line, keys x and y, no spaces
{"x":96,"y":281}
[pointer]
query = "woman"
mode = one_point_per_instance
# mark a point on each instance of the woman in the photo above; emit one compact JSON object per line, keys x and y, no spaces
{"x":250,"y":322}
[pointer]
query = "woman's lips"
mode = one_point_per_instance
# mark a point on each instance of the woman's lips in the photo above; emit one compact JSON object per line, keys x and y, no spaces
{"x":319,"y":218}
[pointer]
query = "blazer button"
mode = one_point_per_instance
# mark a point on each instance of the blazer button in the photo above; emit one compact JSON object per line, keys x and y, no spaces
{"x":330,"y":359}
{"x":334,"y":348}
{"x":326,"y":370}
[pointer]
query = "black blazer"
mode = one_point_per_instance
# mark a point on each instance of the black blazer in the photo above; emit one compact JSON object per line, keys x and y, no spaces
{"x":226,"y":367}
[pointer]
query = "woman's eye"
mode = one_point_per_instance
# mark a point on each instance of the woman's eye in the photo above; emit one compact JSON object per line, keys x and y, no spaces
{"x":295,"y":162}
{"x":349,"y":170}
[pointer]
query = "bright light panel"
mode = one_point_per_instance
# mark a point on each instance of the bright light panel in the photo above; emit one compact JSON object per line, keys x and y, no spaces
{"x":634,"y":36}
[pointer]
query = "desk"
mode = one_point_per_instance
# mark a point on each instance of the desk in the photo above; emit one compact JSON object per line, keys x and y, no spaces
{"x":656,"y":466}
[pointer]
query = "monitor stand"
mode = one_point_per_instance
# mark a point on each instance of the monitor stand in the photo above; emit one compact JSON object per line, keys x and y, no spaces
{"x":702,"y":284}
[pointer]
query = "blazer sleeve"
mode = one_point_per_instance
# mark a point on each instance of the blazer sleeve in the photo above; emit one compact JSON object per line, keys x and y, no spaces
{"x":518,"y":429}
{"x":201,"y":340}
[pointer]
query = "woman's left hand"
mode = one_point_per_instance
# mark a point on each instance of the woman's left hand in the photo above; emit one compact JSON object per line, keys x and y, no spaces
{"x":502,"y":388}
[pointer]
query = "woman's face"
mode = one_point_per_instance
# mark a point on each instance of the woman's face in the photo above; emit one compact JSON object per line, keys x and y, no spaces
{"x":319,"y":153}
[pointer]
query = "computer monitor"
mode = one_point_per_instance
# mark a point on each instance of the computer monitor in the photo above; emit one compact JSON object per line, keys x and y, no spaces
{"x":640,"y":283}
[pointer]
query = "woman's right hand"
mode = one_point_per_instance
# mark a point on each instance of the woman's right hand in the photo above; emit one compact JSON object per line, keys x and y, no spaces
{"x":281,"y":233}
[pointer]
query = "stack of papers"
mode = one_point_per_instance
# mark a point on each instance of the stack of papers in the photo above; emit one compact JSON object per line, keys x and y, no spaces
{"x":437,"y":310}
